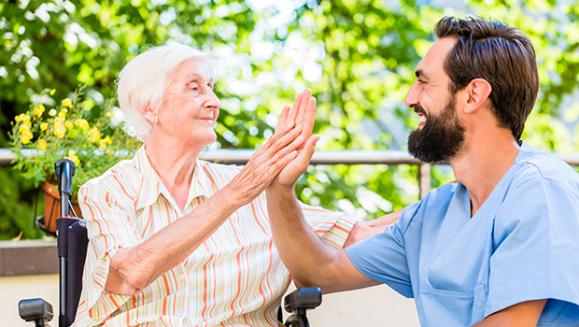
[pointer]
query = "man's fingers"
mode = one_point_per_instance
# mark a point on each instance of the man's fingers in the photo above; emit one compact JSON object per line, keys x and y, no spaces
{"x":300,"y":101}
{"x":309,"y":118}
{"x":307,"y":152}
{"x":303,"y":107}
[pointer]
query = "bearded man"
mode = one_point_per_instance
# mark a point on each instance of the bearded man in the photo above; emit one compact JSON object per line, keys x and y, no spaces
{"x":497,"y":247}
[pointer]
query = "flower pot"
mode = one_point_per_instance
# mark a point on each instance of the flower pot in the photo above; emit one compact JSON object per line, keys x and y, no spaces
{"x":52,"y":207}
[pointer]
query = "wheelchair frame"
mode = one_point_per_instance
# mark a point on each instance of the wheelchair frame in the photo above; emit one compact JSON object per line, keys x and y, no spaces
{"x":72,"y":242}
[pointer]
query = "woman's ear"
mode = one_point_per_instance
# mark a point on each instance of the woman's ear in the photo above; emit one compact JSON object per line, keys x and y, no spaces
{"x":149,"y":114}
{"x":479,"y":91}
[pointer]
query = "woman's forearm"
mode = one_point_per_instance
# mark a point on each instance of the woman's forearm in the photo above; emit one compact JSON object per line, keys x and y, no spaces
{"x":135,"y":268}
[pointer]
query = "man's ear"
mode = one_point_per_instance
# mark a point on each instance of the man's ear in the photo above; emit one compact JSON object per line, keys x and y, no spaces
{"x":478,"y":92}
{"x":150,"y":115}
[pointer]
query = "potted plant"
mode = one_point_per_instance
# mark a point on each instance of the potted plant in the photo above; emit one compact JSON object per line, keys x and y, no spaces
{"x":77,"y":127}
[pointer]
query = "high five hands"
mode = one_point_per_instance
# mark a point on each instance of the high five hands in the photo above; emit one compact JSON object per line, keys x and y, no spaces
{"x":284,"y":156}
{"x":301,"y":115}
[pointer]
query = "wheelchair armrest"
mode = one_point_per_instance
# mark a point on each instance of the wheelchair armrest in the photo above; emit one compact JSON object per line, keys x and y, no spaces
{"x":298,"y":302}
{"x":303,"y":299}
{"x":36,"y":310}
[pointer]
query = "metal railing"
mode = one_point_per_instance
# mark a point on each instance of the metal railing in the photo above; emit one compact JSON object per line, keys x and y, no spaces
{"x":348,"y":157}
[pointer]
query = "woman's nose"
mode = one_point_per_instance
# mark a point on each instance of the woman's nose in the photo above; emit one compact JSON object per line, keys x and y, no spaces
{"x":212,"y":101}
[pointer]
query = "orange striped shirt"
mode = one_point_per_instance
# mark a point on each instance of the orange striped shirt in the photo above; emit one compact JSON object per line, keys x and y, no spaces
{"x":234,"y":278}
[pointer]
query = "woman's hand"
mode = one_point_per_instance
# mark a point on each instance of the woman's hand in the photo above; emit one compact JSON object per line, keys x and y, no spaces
{"x":306,"y":115}
{"x":277,"y":152}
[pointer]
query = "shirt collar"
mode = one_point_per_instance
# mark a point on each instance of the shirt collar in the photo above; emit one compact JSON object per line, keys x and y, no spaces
{"x":152,"y":186}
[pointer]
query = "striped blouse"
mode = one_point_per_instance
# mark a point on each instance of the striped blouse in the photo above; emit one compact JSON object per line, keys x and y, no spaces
{"x":234,"y":278}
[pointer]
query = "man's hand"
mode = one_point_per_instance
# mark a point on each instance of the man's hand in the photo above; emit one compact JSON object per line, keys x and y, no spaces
{"x":305,"y":107}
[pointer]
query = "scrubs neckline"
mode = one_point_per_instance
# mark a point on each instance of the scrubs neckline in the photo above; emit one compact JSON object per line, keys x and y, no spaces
{"x":500,"y":185}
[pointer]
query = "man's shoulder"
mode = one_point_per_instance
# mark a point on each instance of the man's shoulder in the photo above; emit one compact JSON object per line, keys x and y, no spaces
{"x":542,"y":167}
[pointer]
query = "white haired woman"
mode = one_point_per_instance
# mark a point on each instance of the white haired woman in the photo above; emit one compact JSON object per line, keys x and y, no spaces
{"x":178,"y":241}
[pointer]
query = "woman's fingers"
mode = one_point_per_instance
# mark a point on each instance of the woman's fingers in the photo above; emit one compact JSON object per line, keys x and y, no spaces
{"x":281,"y":141}
{"x":283,"y":118}
{"x":290,"y":173}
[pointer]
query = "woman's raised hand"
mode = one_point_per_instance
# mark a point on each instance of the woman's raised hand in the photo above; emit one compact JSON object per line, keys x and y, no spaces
{"x":306,"y":117}
{"x":294,"y":127}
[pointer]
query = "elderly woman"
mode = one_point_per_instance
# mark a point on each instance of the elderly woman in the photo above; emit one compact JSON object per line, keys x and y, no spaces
{"x":177,"y":241}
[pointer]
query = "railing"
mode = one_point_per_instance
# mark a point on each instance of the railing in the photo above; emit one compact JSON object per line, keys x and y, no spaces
{"x":39,"y":257}
{"x":350,"y":157}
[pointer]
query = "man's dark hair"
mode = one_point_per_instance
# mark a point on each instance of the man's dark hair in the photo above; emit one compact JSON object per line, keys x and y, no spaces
{"x":500,"y":54}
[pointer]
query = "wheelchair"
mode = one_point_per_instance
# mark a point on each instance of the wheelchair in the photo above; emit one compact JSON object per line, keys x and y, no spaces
{"x":72,"y":242}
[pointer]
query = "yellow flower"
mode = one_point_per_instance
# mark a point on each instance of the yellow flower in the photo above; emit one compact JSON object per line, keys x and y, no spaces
{"x":52,"y":112}
{"x":59,"y":130}
{"x":109,"y":151}
{"x":68,"y":124}
{"x":66,"y":103}
{"x":52,"y":92}
{"x":94,"y":135}
{"x":24,"y":118}
{"x":24,"y":128}
{"x":38,"y":110}
{"x":43,"y":126}
{"x":63,"y":113}
{"x":25,"y":138}
{"x":83,"y":124}
{"x":24,"y":134}
{"x":72,"y":156}
{"x":42,"y":144}
{"x":104,"y":142}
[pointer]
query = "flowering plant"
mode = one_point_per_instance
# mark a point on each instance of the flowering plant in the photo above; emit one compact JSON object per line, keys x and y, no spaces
{"x":77,"y":128}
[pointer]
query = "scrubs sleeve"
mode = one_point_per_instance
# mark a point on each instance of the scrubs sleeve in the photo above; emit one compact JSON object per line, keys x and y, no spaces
{"x":383,"y":256}
{"x":536,"y":243}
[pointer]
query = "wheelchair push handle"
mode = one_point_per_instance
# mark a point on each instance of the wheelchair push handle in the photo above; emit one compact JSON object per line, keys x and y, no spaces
{"x":64,"y":169}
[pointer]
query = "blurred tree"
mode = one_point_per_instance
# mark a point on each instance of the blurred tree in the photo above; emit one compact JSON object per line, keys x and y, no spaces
{"x":357,"y":56}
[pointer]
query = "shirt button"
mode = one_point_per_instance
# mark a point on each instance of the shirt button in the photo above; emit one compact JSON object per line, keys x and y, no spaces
{"x":182,"y":277}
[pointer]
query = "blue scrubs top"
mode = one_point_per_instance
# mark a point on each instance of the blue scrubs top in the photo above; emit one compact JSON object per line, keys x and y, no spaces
{"x":521,"y":245}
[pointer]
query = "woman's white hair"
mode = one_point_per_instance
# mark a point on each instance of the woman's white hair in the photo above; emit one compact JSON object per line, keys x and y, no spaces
{"x":144,"y":80}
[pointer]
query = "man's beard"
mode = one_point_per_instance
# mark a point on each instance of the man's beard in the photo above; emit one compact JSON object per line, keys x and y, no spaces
{"x":440,"y":138}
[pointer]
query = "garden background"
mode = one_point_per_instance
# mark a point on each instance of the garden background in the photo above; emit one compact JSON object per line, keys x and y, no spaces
{"x":358,"y":56}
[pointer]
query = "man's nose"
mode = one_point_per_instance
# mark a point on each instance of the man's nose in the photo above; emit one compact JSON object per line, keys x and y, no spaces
{"x":412,"y":96}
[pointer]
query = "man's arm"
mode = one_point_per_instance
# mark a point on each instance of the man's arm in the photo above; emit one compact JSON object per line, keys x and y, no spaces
{"x":524,"y":314}
{"x":310,"y":261}
{"x":134,"y":268}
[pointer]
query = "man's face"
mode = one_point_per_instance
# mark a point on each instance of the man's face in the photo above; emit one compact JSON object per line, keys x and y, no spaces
{"x":440,"y":134}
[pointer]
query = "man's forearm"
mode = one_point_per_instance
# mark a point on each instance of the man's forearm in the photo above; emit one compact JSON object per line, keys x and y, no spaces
{"x":306,"y":256}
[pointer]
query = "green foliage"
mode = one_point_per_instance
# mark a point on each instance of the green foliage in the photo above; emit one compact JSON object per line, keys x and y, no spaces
{"x":76,"y":129}
{"x":357,"y":56}
{"x":16,"y":215}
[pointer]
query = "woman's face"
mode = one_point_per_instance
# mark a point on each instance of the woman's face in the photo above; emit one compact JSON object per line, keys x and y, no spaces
{"x":189,"y":109}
